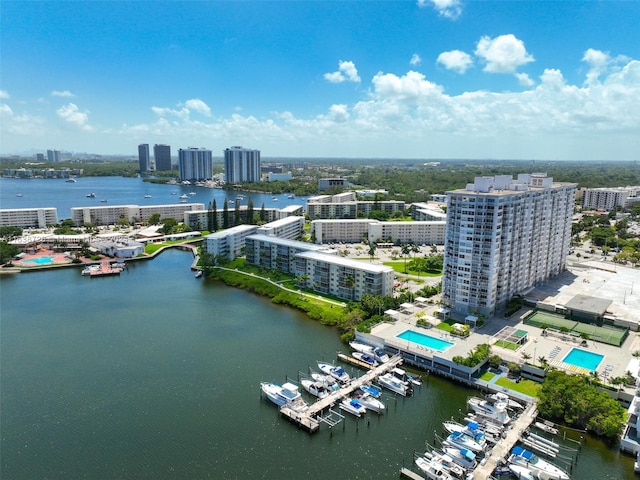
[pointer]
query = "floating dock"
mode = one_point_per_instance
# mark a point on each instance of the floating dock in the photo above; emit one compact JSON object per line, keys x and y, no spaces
{"x":309,"y":418}
{"x":105,"y":269}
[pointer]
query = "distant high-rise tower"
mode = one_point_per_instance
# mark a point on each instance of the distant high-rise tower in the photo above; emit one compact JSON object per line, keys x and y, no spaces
{"x":162,"y":157}
{"x":195,"y":164}
{"x":504,"y":236}
{"x":54,"y":156}
{"x":241,"y":165}
{"x":39,"y":157}
{"x":144,"y":162}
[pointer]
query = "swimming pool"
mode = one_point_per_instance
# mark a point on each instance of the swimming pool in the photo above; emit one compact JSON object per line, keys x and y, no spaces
{"x":584,"y":359}
{"x":425,"y":340}
{"x":40,"y":260}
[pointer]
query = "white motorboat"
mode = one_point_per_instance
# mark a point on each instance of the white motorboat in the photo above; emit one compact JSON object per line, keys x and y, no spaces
{"x":522,"y":473}
{"x":460,"y":440}
{"x":544,"y":426}
{"x":447,"y":463}
{"x":365,"y":358}
{"x":503,"y":397}
{"x":91,"y":195}
{"x":496,"y":412}
{"x":199,"y":273}
{"x":284,"y":395}
{"x":462,"y":456}
{"x":538,"y":466}
{"x":336,"y":372}
{"x":371,"y":390}
{"x":471,"y":429}
{"x":380,"y":355}
{"x":370,"y":403}
{"x":352,"y":406}
{"x":327,"y":380}
{"x":361,"y":347}
{"x":317,"y":389}
{"x":433,"y":469}
{"x":405,"y":377}
{"x":147,"y":196}
{"x":389,"y":381}
{"x":184,"y":196}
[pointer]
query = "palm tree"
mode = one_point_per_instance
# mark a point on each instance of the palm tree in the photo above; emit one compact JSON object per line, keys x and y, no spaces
{"x":372,"y":251}
{"x":350,"y":282}
{"x":406,"y":250}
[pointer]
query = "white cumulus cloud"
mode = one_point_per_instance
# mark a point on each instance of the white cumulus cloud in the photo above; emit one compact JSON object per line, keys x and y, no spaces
{"x":411,"y":86}
{"x":72,"y":114}
{"x":4,"y":94}
{"x":524,"y":79}
{"x":415,"y":60}
{"x":24,"y":125}
{"x":347,"y":72}
{"x":62,"y":93}
{"x":503,"y":54}
{"x":601,"y":63}
{"x":455,"y":60}
{"x":197,"y":105}
{"x":450,"y":9}
{"x":339,"y":113}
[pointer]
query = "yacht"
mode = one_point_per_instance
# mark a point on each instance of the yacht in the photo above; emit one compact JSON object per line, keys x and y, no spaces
{"x":336,"y":372}
{"x":365,"y":358}
{"x":353,"y":406}
{"x":537,"y":466}
{"x":496,"y":412}
{"x":371,"y":390}
{"x":184,"y":195}
{"x":446,"y":462}
{"x":91,"y":195}
{"x":327,"y":380}
{"x":71,"y":180}
{"x":286,"y":395}
{"x":406,"y":377}
{"x":503,"y":397}
{"x":317,"y":389}
{"x":522,"y":473}
{"x":460,"y":440}
{"x":463,"y":457}
{"x":361,"y":347}
{"x":147,"y":196}
{"x":380,"y":355}
{"x":471,"y":429}
{"x":433,"y":469}
{"x":389,"y":381}
{"x":369,"y":402}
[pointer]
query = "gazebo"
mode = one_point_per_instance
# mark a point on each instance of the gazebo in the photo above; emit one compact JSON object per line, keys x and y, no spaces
{"x":393,"y":314}
{"x":471,"y":320}
{"x":442,"y":311}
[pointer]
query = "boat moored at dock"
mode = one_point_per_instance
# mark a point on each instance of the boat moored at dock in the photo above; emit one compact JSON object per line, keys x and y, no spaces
{"x":389,"y":381}
{"x":352,"y":406}
{"x":538,"y":466}
{"x":336,"y":372}
{"x":284,"y":395}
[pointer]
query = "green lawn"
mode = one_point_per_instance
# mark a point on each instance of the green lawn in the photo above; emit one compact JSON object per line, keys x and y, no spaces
{"x":398,"y":266}
{"x":487,"y":376}
{"x":508,"y":345}
{"x":528,"y":387}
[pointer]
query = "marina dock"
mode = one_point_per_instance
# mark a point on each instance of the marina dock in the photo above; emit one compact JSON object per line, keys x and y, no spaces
{"x":502,"y":449}
{"x":309,"y":418}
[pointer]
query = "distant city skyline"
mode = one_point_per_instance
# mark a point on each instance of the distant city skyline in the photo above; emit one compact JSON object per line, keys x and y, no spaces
{"x":392,"y":79}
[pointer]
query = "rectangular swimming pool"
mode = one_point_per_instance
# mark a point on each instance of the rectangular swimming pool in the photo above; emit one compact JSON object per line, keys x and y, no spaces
{"x":425,"y":340}
{"x":584,"y":359}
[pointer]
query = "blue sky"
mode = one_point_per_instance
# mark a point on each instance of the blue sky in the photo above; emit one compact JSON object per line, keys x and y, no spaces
{"x":397,"y":79}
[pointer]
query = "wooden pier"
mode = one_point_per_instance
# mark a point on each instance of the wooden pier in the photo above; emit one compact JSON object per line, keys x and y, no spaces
{"x":502,"y":449}
{"x":308,"y":419}
{"x":106,"y":268}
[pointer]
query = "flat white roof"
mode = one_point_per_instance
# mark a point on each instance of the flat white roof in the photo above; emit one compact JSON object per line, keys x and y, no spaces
{"x":286,"y":242}
{"x":346,"y":262}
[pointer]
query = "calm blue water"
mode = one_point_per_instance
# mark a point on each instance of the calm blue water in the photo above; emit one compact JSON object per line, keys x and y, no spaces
{"x":62,"y":195}
{"x":425,"y":340}
{"x":583,"y":358}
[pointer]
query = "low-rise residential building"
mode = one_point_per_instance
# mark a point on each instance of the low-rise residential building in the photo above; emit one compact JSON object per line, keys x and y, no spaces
{"x":374,"y":231}
{"x":428,"y":212}
{"x":278,"y":177}
{"x":110,"y":214}
{"x":203,"y":219}
{"x":345,"y":205}
{"x":288,"y":227}
{"x":28,"y":217}
{"x":610,"y":198}
{"x":350,"y":231}
{"x":229,"y":243}
{"x":118,"y":248}
{"x":343,"y":277}
{"x":327,"y":183}
{"x":275,"y":253}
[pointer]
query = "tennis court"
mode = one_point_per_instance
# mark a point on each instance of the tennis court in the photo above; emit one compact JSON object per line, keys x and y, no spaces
{"x":609,"y":335}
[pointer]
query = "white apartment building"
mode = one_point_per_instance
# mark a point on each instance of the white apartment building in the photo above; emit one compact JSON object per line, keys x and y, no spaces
{"x":503,"y":237}
{"x":338,"y":198}
{"x":609,"y":198}
{"x":350,"y":231}
{"x":374,"y":231}
{"x":201,"y":219}
{"x":402,"y":233}
{"x":28,"y":217}
{"x":228,"y":243}
{"x":428,"y":212}
{"x":327,"y":183}
{"x":288,"y":227}
{"x":343,"y":277}
{"x":241,"y":165}
{"x":275,"y":253}
{"x":195,"y":164}
{"x":109,"y":215}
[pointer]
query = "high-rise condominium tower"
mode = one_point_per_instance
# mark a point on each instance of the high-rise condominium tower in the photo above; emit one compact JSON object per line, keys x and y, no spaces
{"x":162,"y":156}
{"x":503,"y":237}
{"x":144,"y":161}
{"x":241,"y":165}
{"x":195,"y":164}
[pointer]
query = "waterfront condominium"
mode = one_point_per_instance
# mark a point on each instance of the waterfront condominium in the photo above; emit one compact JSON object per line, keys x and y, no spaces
{"x":195,"y":164}
{"x":162,"y":157}
{"x":503,"y":237}
{"x":241,"y":165}
{"x":144,"y":161}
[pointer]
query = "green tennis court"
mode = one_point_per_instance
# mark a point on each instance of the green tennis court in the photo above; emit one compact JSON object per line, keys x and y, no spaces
{"x":610,"y":335}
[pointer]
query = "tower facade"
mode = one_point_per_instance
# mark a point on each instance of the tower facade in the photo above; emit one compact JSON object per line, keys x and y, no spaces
{"x":241,"y":165}
{"x":504,"y":236}
{"x":144,"y":161}
{"x":162,"y":157}
{"x":195,"y":164}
